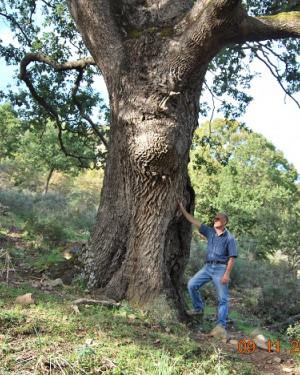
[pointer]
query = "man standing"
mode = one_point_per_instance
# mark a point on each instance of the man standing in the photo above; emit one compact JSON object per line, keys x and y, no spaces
{"x":220,"y":256}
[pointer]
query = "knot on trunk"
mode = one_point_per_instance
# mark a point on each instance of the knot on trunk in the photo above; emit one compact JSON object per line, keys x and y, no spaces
{"x":157,"y":151}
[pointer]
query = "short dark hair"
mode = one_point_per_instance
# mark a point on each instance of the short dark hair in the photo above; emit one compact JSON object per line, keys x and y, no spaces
{"x":226,"y":216}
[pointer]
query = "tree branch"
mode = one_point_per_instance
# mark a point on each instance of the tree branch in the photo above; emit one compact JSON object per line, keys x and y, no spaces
{"x":203,"y":32}
{"x":16,"y":24}
{"x":98,"y":15}
{"x":279,"y":26}
{"x":82,"y":114}
{"x":275,"y":73}
{"x":31,"y":57}
{"x":220,"y":8}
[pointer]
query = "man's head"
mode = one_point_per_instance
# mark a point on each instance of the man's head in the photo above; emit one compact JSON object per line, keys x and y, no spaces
{"x":220,"y":221}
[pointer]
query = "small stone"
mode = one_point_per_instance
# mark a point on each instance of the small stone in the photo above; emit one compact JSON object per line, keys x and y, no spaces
{"x":53,"y":283}
{"x":89,"y":342}
{"x":35,"y":284}
{"x":25,"y":299}
{"x":261,"y":344}
{"x":131,"y":316}
{"x":256,"y":334}
{"x":287,"y":370}
{"x":278,"y":360}
{"x":234,"y":342}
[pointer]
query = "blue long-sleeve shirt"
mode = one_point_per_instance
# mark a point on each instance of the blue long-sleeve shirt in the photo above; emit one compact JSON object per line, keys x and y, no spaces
{"x":219,"y":248}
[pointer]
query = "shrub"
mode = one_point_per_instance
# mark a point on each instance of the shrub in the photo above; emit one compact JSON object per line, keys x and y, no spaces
{"x":294,"y":331}
{"x":249,"y":274}
{"x":55,"y":216}
{"x":270,"y":291}
{"x":279,"y":300}
{"x":18,"y":201}
{"x":50,"y":217}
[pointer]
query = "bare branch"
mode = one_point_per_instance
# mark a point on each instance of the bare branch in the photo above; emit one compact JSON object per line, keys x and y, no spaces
{"x":15,"y":23}
{"x":82,"y":114}
{"x":213,"y":98}
{"x":31,"y":57}
{"x":69,"y":65}
{"x":275,"y":73}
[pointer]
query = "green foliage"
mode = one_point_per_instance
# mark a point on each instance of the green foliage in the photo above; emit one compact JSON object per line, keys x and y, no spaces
{"x":10,"y":131}
{"x":229,"y":78}
{"x":293,"y":331}
{"x":241,"y":173}
{"x":16,"y":200}
{"x":29,"y":152}
{"x":257,"y":188}
{"x":48,"y":29}
{"x":290,"y":238}
{"x":250,"y":275}
{"x":55,"y":216}
{"x":51,"y":258}
{"x":279,"y":299}
{"x":269,"y":291}
{"x":10,"y":320}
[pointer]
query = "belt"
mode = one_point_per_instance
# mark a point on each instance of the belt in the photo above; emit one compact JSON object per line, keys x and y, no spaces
{"x":215,"y":262}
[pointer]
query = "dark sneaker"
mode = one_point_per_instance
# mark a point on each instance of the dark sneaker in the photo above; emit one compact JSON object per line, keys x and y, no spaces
{"x":198,"y":313}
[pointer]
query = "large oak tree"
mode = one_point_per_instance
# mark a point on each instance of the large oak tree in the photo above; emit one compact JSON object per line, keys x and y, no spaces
{"x":154,"y":56}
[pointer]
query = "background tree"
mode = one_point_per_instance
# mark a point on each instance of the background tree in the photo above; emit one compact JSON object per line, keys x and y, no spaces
{"x":30,"y":150}
{"x":10,"y":131}
{"x":154,"y":57}
{"x":257,"y":190}
{"x":212,"y":147}
{"x":290,"y":239}
{"x":240,"y":172}
{"x":39,"y":152}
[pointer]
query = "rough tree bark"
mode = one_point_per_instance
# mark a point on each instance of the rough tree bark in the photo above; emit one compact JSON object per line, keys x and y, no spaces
{"x":154,"y":55}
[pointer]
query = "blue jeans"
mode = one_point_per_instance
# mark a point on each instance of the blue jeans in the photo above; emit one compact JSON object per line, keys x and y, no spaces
{"x":215,"y":273}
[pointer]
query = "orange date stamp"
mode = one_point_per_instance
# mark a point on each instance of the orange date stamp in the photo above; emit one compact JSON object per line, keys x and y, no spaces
{"x":250,"y":346}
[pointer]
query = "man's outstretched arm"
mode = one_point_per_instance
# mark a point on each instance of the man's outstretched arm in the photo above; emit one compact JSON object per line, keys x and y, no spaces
{"x":188,"y":216}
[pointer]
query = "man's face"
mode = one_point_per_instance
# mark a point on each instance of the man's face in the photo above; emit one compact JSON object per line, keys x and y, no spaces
{"x":219,"y":221}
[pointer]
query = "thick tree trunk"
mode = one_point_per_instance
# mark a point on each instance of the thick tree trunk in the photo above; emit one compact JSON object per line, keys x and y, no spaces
{"x":140,"y":244}
{"x":154,"y":56}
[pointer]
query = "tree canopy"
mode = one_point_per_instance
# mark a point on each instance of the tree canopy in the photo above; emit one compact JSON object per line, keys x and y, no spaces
{"x":56,"y":67}
{"x":45,"y":38}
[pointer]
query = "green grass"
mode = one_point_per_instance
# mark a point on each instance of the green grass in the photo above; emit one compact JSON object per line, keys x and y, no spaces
{"x":49,"y":338}
{"x":99,"y":340}
{"x":43,"y":262}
